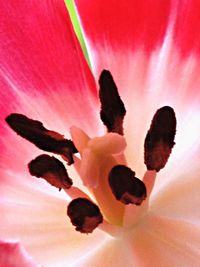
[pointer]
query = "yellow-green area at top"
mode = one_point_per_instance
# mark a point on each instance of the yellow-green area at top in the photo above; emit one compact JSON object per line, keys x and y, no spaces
{"x":77,"y":27}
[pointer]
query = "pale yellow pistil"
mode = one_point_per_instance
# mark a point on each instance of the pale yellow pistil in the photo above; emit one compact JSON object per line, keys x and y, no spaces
{"x":97,"y":157}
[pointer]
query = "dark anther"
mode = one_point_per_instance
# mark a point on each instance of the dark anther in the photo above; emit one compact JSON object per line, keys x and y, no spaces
{"x":159,"y":140}
{"x":112,"y":108}
{"x":84,"y":214}
{"x":52,"y":170}
{"x":36,"y":133}
{"x":125,"y":186}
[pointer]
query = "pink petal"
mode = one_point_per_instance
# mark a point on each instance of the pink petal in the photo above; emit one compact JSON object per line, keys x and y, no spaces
{"x":43,"y":72}
{"x":139,"y":25}
{"x":186,"y":30}
{"x":124,"y":24}
{"x":12,"y":254}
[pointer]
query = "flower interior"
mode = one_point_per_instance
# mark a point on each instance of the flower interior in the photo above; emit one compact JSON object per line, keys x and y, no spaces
{"x":100,"y":162}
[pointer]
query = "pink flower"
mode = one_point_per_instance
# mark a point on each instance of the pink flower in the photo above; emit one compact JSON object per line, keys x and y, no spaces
{"x":152,"y":50}
{"x":13,"y":254}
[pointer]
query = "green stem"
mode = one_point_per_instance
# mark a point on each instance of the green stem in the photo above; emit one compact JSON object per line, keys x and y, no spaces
{"x":77,"y":27}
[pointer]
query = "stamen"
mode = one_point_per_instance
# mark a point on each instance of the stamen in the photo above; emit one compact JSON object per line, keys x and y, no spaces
{"x":52,"y":170}
{"x":159,"y":140}
{"x":125,"y":186}
{"x":84,"y":214}
{"x":112,"y":108}
{"x":36,"y":133}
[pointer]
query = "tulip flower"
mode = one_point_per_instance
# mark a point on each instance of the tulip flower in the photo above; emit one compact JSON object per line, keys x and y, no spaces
{"x":99,"y":166}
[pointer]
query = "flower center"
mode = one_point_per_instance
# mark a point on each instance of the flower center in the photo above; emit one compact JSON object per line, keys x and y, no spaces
{"x":101,"y":163}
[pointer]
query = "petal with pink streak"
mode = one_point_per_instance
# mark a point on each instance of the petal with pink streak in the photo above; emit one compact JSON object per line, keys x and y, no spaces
{"x":43,"y":70}
{"x":122,"y":28}
{"x":12,"y":254}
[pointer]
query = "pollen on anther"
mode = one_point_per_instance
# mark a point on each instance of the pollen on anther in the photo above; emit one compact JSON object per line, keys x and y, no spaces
{"x":112,"y":107}
{"x":50,"y":169}
{"x":159,"y":140}
{"x":36,"y":133}
{"x":84,"y":215}
{"x":125,"y":186}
